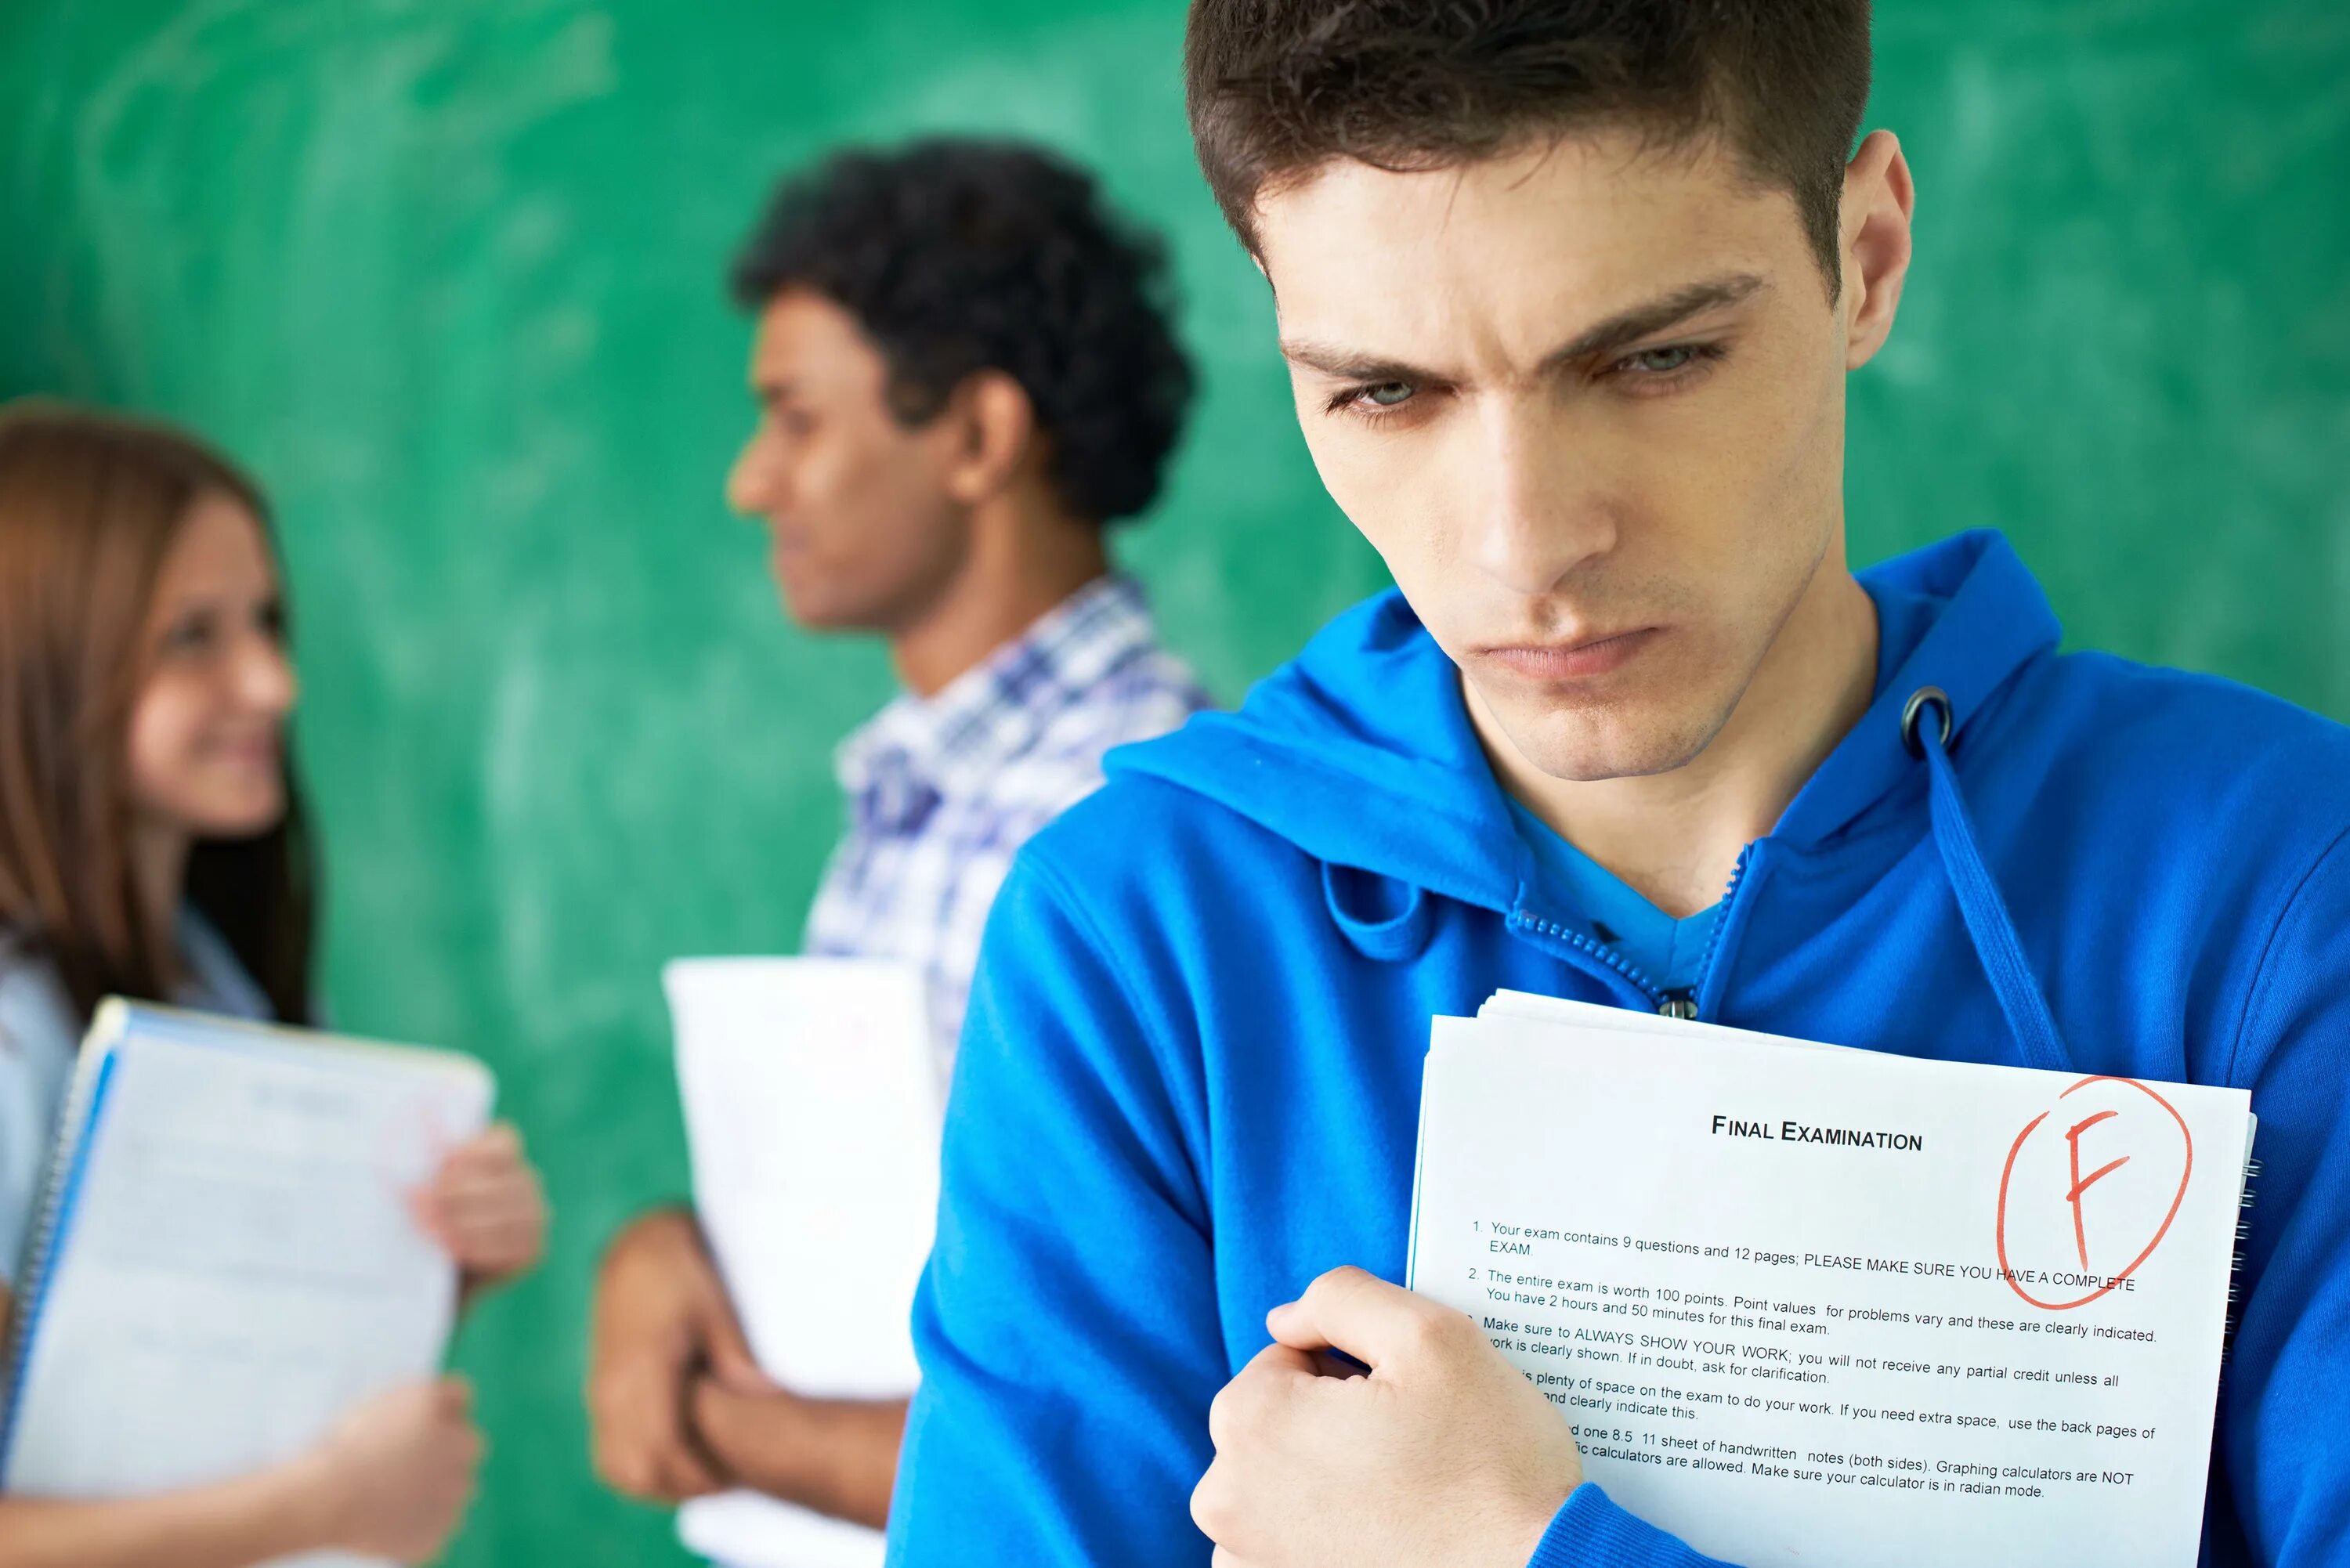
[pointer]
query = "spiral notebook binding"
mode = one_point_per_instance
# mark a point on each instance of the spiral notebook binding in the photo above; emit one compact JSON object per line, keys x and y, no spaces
{"x":39,"y":1260}
{"x":40,"y":1241}
{"x":2246,"y":1202}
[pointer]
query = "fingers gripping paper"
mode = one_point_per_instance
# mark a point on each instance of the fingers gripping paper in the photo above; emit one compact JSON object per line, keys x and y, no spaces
{"x":813,"y":1113}
{"x":1801,"y":1303}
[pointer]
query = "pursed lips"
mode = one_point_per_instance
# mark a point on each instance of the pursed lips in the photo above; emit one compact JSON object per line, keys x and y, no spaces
{"x":1578,"y":658}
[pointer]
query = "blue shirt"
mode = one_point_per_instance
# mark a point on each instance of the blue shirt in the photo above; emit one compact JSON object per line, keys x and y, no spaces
{"x":1666,"y":951}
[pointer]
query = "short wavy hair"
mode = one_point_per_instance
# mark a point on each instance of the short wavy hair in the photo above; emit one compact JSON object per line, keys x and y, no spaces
{"x":1277,"y":89}
{"x":957,"y":255}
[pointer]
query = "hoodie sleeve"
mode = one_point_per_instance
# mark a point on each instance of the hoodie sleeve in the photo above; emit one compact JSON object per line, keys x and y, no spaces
{"x":1590,"y":1530}
{"x":2282,"y":1465}
{"x":1067,"y":1327}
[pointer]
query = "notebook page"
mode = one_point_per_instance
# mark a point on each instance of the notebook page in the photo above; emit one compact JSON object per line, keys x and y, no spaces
{"x":238,"y":1263}
{"x":812,"y":1108}
{"x":1768,"y":1287}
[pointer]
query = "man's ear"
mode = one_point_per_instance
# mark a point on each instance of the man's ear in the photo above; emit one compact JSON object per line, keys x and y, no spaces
{"x":995,"y":431}
{"x":1878,"y":198}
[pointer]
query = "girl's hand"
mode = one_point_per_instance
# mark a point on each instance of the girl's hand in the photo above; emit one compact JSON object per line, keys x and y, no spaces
{"x":485,"y":1207}
{"x":395,"y":1476}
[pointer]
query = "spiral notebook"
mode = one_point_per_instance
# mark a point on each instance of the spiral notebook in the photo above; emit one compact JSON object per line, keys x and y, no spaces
{"x":1800,"y":1300}
{"x":224,"y":1259}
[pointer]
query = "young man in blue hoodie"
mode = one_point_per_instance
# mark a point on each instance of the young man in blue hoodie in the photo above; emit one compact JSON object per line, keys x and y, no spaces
{"x":1569,"y":292}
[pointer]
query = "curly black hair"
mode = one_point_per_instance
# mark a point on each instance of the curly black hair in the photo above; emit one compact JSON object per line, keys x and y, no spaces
{"x":957,"y":255}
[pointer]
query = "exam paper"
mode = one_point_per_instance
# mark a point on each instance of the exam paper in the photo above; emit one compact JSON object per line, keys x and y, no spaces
{"x":812,"y":1108}
{"x":238,"y":1264}
{"x":1800,"y":1305}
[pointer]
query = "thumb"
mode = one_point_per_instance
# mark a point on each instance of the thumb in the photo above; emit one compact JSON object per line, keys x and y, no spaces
{"x":731,"y":1361}
{"x":1356,"y":1314}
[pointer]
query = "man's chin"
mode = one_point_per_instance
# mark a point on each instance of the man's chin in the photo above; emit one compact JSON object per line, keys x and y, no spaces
{"x":818,"y":612}
{"x":1592,"y":746}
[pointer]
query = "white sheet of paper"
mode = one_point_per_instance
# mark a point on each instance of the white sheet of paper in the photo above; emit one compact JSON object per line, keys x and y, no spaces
{"x":241,"y":1265}
{"x":1624,"y":1021}
{"x":1791,"y":1351}
{"x":812,"y":1108}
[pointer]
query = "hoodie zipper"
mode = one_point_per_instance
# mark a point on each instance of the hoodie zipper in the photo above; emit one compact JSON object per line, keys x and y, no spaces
{"x":1599,"y":952}
{"x":1713,"y":942}
{"x":1682,"y":1004}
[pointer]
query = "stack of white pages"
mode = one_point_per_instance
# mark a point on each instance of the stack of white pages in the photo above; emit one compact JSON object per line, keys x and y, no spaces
{"x":812,"y":1106}
{"x":1810,"y":1304}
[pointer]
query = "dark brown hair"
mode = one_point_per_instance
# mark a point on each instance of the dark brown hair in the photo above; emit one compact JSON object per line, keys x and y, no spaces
{"x":1278,"y":87}
{"x":90,"y":503}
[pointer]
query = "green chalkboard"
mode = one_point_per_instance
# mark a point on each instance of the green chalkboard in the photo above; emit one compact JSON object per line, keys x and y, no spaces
{"x":449,"y":276}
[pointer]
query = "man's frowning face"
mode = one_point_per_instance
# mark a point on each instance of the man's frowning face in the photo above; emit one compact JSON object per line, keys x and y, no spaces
{"x":1587,"y":402}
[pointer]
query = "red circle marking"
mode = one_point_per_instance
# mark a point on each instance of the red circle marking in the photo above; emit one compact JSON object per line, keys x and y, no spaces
{"x":2008,"y":1271}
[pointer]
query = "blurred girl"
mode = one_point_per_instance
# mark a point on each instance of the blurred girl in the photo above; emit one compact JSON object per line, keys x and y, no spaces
{"x":152,"y":844}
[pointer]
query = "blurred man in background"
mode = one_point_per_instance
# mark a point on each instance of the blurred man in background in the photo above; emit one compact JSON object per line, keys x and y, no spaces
{"x":965,"y":374}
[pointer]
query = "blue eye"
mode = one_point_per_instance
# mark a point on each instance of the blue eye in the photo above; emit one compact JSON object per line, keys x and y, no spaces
{"x":1662,"y":361}
{"x":1387,"y":394}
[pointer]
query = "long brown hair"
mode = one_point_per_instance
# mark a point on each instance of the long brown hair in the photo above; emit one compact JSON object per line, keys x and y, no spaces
{"x":90,"y":503}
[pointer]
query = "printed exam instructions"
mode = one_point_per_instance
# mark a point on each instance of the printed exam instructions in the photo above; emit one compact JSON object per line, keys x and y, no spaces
{"x":1801,"y":1303}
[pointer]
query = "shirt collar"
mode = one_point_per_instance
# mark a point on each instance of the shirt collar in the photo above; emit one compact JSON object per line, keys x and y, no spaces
{"x":920,"y":748}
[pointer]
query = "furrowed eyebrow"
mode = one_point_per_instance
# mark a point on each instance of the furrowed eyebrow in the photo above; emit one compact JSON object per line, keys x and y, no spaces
{"x":1628,"y":327}
{"x":1350,"y":367}
{"x":1619,"y":330}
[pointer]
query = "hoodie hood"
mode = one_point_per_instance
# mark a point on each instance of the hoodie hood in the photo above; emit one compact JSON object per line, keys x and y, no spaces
{"x":1361,"y":752}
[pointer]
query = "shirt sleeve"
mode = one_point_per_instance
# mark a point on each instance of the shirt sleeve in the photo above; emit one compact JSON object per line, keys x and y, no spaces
{"x":1066,"y":1326}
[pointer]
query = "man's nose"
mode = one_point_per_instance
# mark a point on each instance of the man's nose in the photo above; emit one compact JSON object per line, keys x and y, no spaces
{"x":751,"y":482}
{"x":1535,"y":514}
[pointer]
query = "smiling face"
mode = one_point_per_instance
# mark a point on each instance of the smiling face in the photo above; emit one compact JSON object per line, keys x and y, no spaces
{"x":1587,"y":402}
{"x":208,"y":728}
{"x":864,"y":529}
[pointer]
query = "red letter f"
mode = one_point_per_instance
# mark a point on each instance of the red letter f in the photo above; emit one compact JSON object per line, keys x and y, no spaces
{"x":2083,"y":1183}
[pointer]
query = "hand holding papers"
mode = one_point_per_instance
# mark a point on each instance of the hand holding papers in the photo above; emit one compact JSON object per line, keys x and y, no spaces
{"x":813,"y":1111}
{"x":1799,"y":1301}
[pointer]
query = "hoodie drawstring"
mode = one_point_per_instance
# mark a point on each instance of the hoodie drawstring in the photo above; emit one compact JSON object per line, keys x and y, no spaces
{"x":1980,"y":904}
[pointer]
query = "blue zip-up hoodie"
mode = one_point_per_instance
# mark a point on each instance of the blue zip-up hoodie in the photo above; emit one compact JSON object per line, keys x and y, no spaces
{"x":1190,"y":1081}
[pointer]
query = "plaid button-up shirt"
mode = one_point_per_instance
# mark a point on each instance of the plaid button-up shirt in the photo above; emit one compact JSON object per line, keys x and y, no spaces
{"x":943,"y":792}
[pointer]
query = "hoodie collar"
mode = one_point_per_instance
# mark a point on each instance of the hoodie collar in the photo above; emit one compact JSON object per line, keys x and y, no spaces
{"x":1989,"y":618}
{"x":1361,"y":752}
